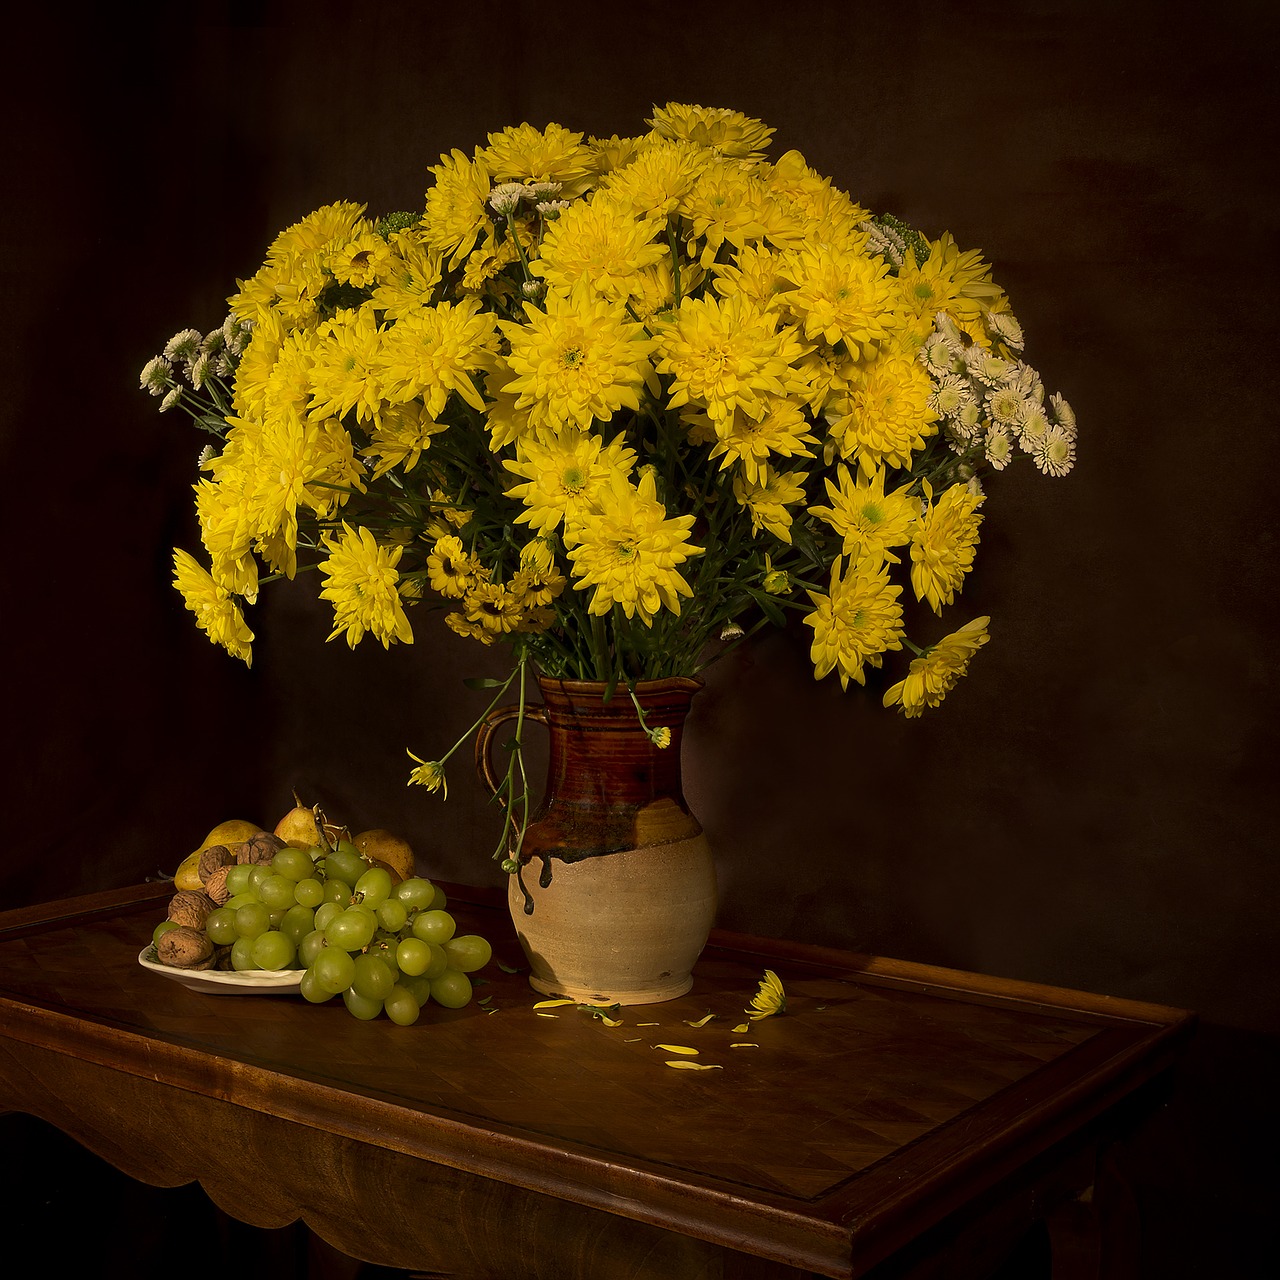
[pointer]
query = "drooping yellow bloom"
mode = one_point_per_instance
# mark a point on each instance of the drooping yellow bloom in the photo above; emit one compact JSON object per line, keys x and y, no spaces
{"x":456,"y":206}
{"x":360,"y":580}
{"x":943,"y":544}
{"x":729,"y":132}
{"x":429,"y":774}
{"x":522,"y":153}
{"x":725,"y":354}
{"x":576,"y":360}
{"x":217,"y":613}
{"x":855,"y":622}
{"x":782,"y":430}
{"x":630,"y":552}
{"x":399,"y":437}
{"x":566,"y":472}
{"x":769,"y":999}
{"x":768,"y":497}
{"x":885,"y":415}
{"x":601,"y":243}
{"x":434,"y":352}
{"x":538,"y":581}
{"x":346,"y":366}
{"x":868,"y":520}
{"x":842,"y":296}
{"x":934,"y":674}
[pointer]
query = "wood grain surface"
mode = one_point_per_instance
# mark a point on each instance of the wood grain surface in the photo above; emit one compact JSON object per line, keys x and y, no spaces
{"x":504,"y":1140}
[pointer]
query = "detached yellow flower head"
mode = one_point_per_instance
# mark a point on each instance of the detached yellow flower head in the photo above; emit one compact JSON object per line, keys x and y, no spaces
{"x":429,"y":774}
{"x":934,"y":674}
{"x":770,"y":999}
{"x":360,"y":582}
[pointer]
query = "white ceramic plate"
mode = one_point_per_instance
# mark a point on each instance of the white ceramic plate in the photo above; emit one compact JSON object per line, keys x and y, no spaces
{"x":220,"y":982}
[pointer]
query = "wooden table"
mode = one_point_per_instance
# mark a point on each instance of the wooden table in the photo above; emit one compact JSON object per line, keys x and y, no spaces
{"x":897,"y":1120}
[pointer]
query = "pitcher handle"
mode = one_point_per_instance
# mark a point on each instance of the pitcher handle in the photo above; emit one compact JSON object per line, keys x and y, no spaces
{"x":489,"y":726}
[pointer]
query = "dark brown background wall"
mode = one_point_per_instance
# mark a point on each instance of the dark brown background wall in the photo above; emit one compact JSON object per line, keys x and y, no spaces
{"x":1091,"y":808}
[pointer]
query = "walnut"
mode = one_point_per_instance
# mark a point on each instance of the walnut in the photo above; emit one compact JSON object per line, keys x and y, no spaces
{"x":259,"y":849}
{"x":216,"y":885}
{"x":215,"y":856}
{"x":185,"y":948}
{"x":190,"y":907}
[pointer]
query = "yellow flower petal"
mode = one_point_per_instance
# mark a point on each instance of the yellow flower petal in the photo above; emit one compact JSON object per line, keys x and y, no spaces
{"x":551,"y":1004}
{"x":682,"y":1065}
{"x":676,"y":1048}
{"x":740,"y":1028}
{"x":701,"y":1022}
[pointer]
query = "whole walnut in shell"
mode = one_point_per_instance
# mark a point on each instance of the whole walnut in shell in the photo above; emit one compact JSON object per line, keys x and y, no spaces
{"x":259,"y":849}
{"x":215,"y":856}
{"x":190,"y":907}
{"x":185,"y":948}
{"x":216,"y":885}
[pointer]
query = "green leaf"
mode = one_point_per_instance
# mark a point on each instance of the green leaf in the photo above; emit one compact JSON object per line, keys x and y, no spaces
{"x":482,"y":682}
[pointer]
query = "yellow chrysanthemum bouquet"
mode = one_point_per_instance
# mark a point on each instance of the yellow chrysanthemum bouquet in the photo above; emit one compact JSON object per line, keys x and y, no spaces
{"x":617,"y":402}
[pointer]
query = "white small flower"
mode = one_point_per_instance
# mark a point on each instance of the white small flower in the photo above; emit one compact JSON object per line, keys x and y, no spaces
{"x":237,"y":333}
{"x":207,"y":455}
{"x":183,"y":346}
{"x":157,"y":376}
{"x":1063,"y":414}
{"x":987,"y":368}
{"x":730,"y":631}
{"x":505,"y":199}
{"x":945,"y":328}
{"x":950,"y":396}
{"x":1035,"y":422}
{"x":1007,"y":405}
{"x":1054,"y":453}
{"x":936,"y":356}
{"x":999,"y":447}
{"x":533,"y":289}
{"x":200,"y":369}
{"x":171,"y":399}
{"x":542,"y":191}
{"x":1004,"y":327}
{"x":885,"y":241}
{"x":551,"y":209}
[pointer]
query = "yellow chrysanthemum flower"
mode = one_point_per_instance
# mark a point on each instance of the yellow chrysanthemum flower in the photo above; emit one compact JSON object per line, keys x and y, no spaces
{"x":408,"y":277}
{"x":756,"y":272}
{"x":656,"y":180}
{"x":723,"y":205}
{"x":781,"y":430}
{"x":885,"y":415}
{"x":830,"y":373}
{"x":522,"y":153}
{"x":629,"y":552}
{"x":565,"y":473}
{"x":943,"y":544}
{"x":601,"y":243}
{"x":360,"y":580}
{"x":576,"y":360}
{"x":608,"y":154}
{"x":934,"y":674}
{"x":855,"y":622}
{"x":726,"y":354}
{"x":769,"y":999}
{"x":217,"y":613}
{"x":456,"y":206}
{"x":868,"y":520}
{"x":491,"y":606}
{"x":538,"y":581}
{"x":360,"y":261}
{"x":948,"y":280}
{"x":451,"y":570}
{"x":828,"y":215}
{"x":429,"y":774}
{"x":768,"y":497}
{"x":729,"y":132}
{"x":842,"y":296}
{"x":401,"y":434}
{"x":346,"y":366}
{"x":434,"y":352}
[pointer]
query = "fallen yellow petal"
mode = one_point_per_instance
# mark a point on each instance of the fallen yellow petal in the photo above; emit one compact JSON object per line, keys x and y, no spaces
{"x":551,"y":1004}
{"x":648,"y":1024}
{"x":740,"y":1028}
{"x":548,"y":1015}
{"x":611,"y":1022}
{"x":677,"y":1048}
{"x":744,"y":1044}
{"x":701,"y":1022}
{"x":682,"y":1065}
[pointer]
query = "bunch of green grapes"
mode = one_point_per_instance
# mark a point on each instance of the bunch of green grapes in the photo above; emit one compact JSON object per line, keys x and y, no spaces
{"x":381,"y":946}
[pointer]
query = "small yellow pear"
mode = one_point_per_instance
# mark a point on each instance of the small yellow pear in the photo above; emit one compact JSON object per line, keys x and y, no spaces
{"x":391,"y":850}
{"x":233,"y":831}
{"x":187,"y":875}
{"x":299,"y":827}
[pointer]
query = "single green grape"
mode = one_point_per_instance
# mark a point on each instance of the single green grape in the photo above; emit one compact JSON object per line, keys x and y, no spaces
{"x":310,"y":947}
{"x":278,"y":892}
{"x":337,"y":891}
{"x":468,"y":952}
{"x":416,"y":893}
{"x":294,"y":864}
{"x":221,"y":926}
{"x":392,"y":915}
{"x":345,"y":863}
{"x":238,"y":900}
{"x":418,"y":988}
{"x":359,"y":1006}
{"x":312,"y":990}
{"x":272,"y":950}
{"x":242,"y":960}
{"x":451,"y":989}
{"x":434,"y":926}
{"x":352,"y":929}
{"x":298,"y":922}
{"x":257,"y":874}
{"x":238,"y":878}
{"x":401,"y":1007}
{"x":334,"y":969}
{"x":413,"y":956}
{"x":439,"y":902}
{"x":373,"y":979}
{"x":310,"y":892}
{"x":252,"y":919}
{"x":326,"y":912}
{"x":373,"y":886}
